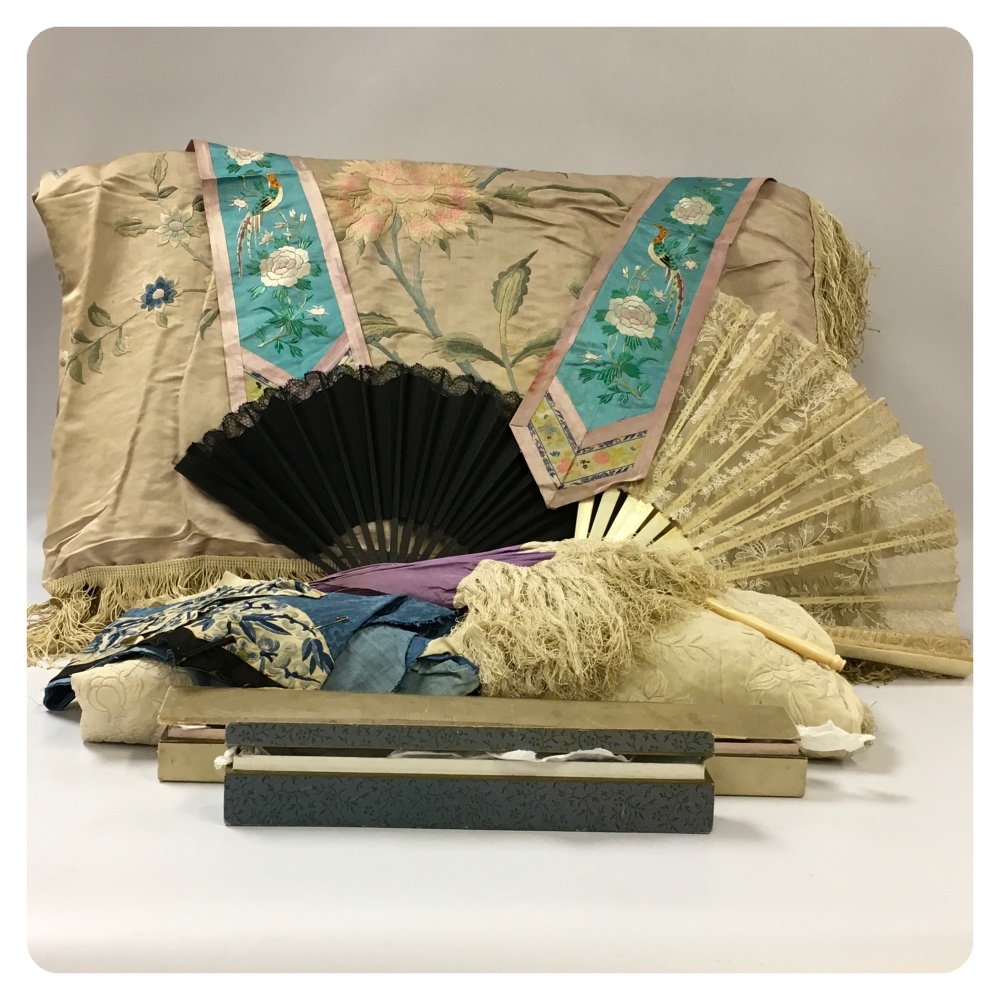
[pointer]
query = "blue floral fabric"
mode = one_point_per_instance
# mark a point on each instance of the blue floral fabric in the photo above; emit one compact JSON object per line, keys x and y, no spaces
{"x":288,"y":635}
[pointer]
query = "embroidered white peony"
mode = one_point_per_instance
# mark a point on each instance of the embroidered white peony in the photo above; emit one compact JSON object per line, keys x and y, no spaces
{"x":243,"y":156}
{"x":631,"y":316}
{"x":692,"y":211}
{"x":284,"y":267}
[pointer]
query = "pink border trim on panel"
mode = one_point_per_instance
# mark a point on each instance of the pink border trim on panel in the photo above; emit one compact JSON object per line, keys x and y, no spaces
{"x":232,"y":349}
{"x":652,"y":422}
{"x":338,"y":276}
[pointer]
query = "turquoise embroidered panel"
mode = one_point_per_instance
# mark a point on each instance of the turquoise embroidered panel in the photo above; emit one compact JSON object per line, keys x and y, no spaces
{"x":625,"y":346}
{"x":287,"y":310}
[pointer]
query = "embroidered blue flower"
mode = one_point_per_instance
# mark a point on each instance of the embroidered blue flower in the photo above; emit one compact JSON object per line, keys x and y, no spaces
{"x":157,"y":295}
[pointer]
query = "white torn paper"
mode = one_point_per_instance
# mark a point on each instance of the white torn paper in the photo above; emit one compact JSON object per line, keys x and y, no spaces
{"x":829,"y":740}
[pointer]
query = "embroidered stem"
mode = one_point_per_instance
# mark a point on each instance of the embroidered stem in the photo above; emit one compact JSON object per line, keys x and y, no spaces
{"x":482,"y":185}
{"x":583,"y":190}
{"x":423,"y":310}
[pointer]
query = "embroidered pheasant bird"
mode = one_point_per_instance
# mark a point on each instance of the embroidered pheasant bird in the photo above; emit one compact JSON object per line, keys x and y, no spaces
{"x":659,"y":254}
{"x":251,"y":223}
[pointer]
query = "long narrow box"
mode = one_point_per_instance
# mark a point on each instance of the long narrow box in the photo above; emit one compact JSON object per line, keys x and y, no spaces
{"x":323,"y":759}
{"x":755,"y":747}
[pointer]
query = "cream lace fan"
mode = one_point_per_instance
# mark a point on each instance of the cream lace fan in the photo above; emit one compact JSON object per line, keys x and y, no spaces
{"x":777,"y":466}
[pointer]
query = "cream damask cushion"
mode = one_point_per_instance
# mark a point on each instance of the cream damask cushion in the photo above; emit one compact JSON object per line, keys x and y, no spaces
{"x":709,"y":659}
{"x":119,"y":702}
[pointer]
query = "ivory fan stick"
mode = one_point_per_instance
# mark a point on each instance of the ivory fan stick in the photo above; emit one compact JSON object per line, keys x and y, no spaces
{"x":800,"y":646}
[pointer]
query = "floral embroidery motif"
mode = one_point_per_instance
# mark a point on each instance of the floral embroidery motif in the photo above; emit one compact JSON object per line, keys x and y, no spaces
{"x":288,"y":319}
{"x":380,"y":204}
{"x":180,"y":227}
{"x":157,"y":295}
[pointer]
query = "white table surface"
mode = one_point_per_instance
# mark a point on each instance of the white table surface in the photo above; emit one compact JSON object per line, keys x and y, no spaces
{"x":871,"y":871}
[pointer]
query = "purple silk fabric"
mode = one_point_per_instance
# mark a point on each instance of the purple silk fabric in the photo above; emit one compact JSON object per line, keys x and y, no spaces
{"x":433,"y":580}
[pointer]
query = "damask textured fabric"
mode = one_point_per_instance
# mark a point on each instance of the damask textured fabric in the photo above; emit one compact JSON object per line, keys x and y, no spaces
{"x":142,"y":369}
{"x":708,"y":659}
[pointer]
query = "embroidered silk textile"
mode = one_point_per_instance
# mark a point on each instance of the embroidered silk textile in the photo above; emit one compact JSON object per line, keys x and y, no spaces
{"x":594,"y":413}
{"x":284,"y":302}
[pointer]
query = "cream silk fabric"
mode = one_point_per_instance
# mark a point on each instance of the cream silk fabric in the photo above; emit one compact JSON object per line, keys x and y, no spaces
{"x":141,"y":367}
{"x":708,"y":659}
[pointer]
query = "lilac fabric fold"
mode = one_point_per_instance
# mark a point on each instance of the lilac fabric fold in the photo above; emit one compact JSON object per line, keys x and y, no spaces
{"x":433,"y":580}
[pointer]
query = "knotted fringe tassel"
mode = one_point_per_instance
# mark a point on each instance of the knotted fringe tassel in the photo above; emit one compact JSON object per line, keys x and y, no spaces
{"x":841,"y":272}
{"x":570,"y":627}
{"x":84,"y":603}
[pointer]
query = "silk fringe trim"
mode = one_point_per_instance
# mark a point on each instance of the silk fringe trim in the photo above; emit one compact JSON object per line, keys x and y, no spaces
{"x":841,"y":274}
{"x":84,"y":603}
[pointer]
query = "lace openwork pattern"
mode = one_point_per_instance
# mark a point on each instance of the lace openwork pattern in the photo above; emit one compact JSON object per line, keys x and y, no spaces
{"x":794,"y":482}
{"x":299,"y":390}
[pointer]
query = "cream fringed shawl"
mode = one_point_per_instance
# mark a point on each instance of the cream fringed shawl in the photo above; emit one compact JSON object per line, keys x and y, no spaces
{"x":142,"y":372}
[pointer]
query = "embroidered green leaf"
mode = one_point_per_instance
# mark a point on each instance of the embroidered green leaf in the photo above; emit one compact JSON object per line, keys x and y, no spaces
{"x":233,"y":168}
{"x":631,"y":369}
{"x":281,"y":294}
{"x":198,"y":205}
{"x":642,"y":387}
{"x":151,"y":195}
{"x":295,"y":352}
{"x":575,"y":290}
{"x":79,"y":337}
{"x":663,"y":319}
{"x":167,"y":191}
{"x":600,"y":315}
{"x":632,"y":343}
{"x":257,"y":291}
{"x":303,"y":284}
{"x":98,"y":316}
{"x":75,"y":370}
{"x":605,"y":397}
{"x":446,"y":247}
{"x":377,"y":325}
{"x":541,"y":345}
{"x":587,"y":374}
{"x":463,"y":347}
{"x":208,"y":317}
{"x":473,"y":235}
{"x":510,"y":288}
{"x":317,"y":329}
{"x":131,"y":227}
{"x":94,"y":357}
{"x":159,"y":170}
{"x":120,"y":344}
{"x":485,"y":209}
{"x":656,"y":344}
{"x":514,"y":193}
{"x":315,"y":270}
{"x":609,"y":329}
{"x":161,"y":319}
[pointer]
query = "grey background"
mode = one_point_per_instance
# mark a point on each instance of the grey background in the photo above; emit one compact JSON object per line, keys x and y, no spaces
{"x":874,"y":123}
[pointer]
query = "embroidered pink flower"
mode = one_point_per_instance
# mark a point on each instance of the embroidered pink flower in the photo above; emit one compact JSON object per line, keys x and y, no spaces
{"x":631,"y":316}
{"x":563,"y":466}
{"x":602,"y":458}
{"x":432,"y":201}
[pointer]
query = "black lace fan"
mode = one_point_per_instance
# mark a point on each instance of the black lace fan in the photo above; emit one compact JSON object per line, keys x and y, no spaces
{"x":389,"y":464}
